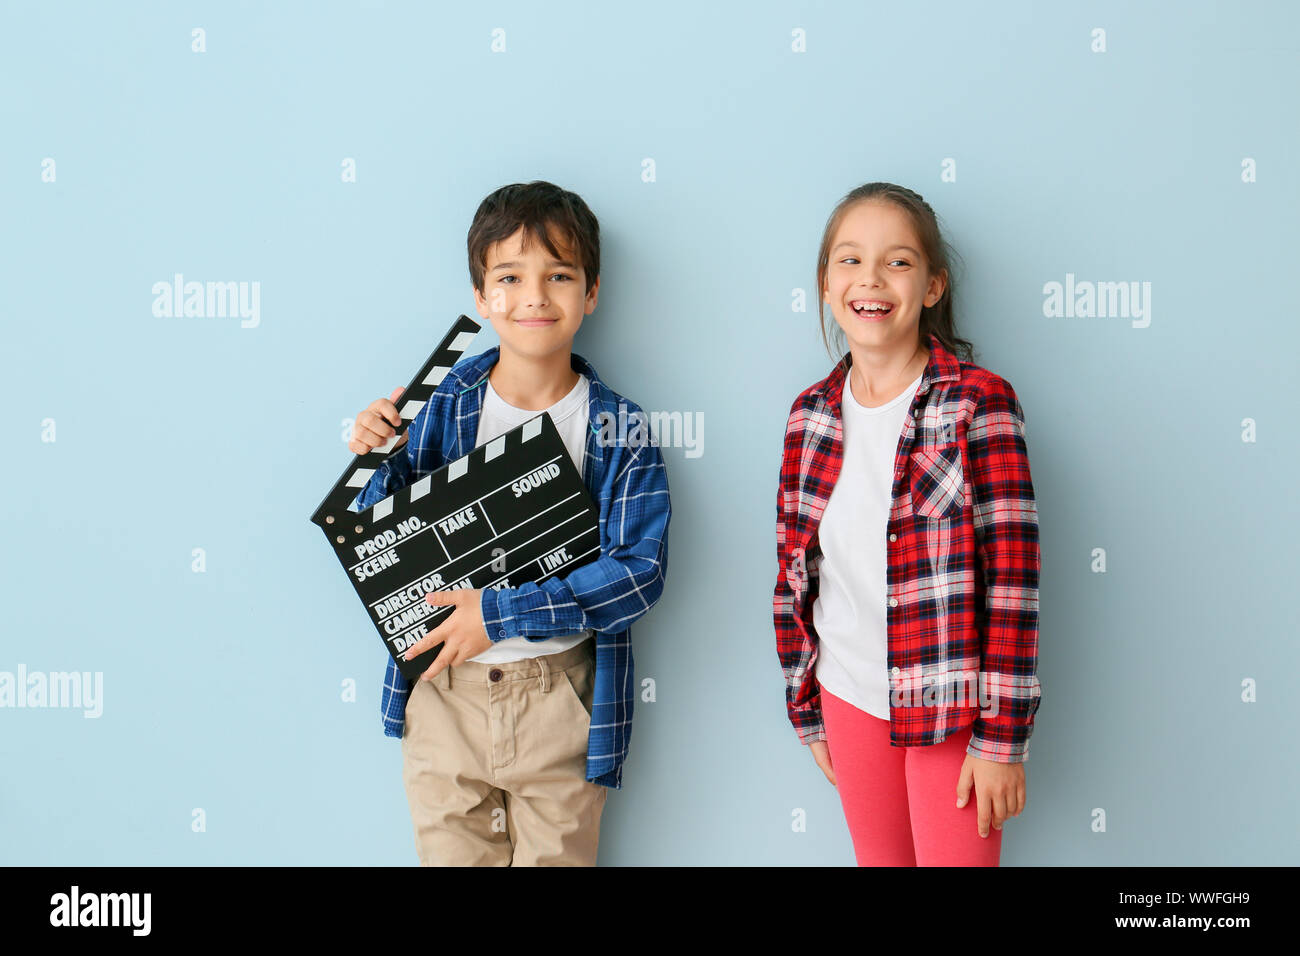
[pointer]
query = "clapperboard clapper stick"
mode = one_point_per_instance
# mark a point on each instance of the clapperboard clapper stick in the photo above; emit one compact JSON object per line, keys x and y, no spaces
{"x":513,"y":510}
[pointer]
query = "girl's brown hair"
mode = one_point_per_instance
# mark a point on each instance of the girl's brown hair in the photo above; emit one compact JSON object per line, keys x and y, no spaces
{"x":937,"y":318}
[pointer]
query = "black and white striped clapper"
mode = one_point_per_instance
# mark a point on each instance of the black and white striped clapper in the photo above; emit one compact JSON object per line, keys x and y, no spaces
{"x":512,"y":511}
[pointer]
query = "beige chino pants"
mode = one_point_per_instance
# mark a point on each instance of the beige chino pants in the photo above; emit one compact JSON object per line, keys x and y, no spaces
{"x":494,"y":763}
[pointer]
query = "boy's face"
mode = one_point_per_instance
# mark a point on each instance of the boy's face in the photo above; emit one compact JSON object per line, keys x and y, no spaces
{"x":535,"y":302}
{"x":875,"y":258}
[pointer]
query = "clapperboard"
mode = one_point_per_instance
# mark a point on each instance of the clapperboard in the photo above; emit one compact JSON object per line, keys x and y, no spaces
{"x":513,"y":510}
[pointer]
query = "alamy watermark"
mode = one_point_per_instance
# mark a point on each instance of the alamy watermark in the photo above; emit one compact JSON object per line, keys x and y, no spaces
{"x":77,"y":908}
{"x":71,"y":690}
{"x":954,"y":689}
{"x":1085,"y":299}
{"x":208,"y":300}
{"x":660,"y":428}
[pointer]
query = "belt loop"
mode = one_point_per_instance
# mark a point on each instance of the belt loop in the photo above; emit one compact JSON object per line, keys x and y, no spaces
{"x":545,"y":674}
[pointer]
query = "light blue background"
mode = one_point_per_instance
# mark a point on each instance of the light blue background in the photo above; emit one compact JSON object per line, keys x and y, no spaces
{"x":222,"y":689}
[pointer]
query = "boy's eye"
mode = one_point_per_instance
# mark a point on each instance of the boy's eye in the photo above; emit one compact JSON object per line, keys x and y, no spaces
{"x":561,"y":275}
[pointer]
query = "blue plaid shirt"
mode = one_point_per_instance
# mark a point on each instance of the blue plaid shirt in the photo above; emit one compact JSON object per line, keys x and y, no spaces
{"x":630,"y":485}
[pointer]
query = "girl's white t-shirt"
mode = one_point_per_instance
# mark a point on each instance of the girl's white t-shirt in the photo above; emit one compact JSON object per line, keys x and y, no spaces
{"x":849,"y":613}
{"x":570,"y":415}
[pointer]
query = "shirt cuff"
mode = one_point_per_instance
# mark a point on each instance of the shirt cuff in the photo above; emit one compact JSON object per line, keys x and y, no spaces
{"x":810,"y":728}
{"x":999,"y":751}
{"x":498,"y":619}
{"x":400,"y":465}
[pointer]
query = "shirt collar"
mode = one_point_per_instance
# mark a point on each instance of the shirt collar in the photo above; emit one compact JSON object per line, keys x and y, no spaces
{"x":474,"y":372}
{"x":941,"y":366}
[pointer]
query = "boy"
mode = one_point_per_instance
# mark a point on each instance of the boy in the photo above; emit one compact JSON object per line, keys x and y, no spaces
{"x":513,"y":737}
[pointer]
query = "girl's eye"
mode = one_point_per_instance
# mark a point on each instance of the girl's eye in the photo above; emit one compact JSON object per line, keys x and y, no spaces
{"x":852,"y":260}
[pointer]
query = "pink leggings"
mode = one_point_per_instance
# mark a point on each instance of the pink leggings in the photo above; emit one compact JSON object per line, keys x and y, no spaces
{"x":901,"y":802}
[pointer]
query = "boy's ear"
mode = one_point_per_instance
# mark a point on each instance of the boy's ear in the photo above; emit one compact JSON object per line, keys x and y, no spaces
{"x":591,"y":296}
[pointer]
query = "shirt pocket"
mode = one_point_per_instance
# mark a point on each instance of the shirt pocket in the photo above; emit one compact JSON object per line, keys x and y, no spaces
{"x":937,"y":481}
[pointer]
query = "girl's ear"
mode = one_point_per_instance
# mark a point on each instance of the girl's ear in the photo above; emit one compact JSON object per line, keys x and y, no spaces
{"x":942,"y":282}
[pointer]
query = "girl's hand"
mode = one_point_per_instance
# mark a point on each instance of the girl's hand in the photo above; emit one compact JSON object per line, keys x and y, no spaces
{"x":822,"y":754}
{"x":999,"y":790}
{"x":461,"y":634}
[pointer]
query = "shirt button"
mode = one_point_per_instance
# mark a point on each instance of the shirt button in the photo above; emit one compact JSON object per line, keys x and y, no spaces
{"x":494,"y":674}
{"x":893,"y":602}
{"x":893,"y":537}
{"x":502,"y":632}
{"x":895,"y":671}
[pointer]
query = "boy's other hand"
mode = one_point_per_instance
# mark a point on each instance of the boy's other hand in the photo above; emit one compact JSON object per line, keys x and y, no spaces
{"x":462,"y":634}
{"x":376,"y":424}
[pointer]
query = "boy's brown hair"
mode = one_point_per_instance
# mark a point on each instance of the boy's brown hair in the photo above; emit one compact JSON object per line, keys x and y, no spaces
{"x":546,"y":212}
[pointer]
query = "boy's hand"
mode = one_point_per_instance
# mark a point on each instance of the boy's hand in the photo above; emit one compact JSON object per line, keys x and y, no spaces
{"x":374,"y":425}
{"x":999,"y":790}
{"x":462,"y":633}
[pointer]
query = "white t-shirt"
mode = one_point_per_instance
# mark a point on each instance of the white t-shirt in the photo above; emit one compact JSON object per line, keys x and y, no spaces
{"x":849,"y":613}
{"x":570,"y":415}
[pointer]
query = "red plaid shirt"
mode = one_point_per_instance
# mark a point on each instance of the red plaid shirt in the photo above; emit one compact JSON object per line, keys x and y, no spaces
{"x":961,"y":560}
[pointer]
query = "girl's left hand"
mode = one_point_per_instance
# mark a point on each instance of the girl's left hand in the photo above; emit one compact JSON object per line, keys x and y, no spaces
{"x":999,"y":790}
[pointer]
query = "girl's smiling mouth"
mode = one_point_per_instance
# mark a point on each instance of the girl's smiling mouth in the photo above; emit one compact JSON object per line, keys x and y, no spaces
{"x":871,"y":309}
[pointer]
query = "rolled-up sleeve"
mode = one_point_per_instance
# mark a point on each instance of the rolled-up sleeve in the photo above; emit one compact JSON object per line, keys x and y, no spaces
{"x":611,"y":592}
{"x":391,"y":476}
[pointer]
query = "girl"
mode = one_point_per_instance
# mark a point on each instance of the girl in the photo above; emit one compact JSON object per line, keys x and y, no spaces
{"x":906,"y":603}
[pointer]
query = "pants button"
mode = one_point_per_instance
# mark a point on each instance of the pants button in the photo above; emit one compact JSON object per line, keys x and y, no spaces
{"x":494,"y":674}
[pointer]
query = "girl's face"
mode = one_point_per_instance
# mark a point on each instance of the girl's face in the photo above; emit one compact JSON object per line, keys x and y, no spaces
{"x":875,"y":261}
